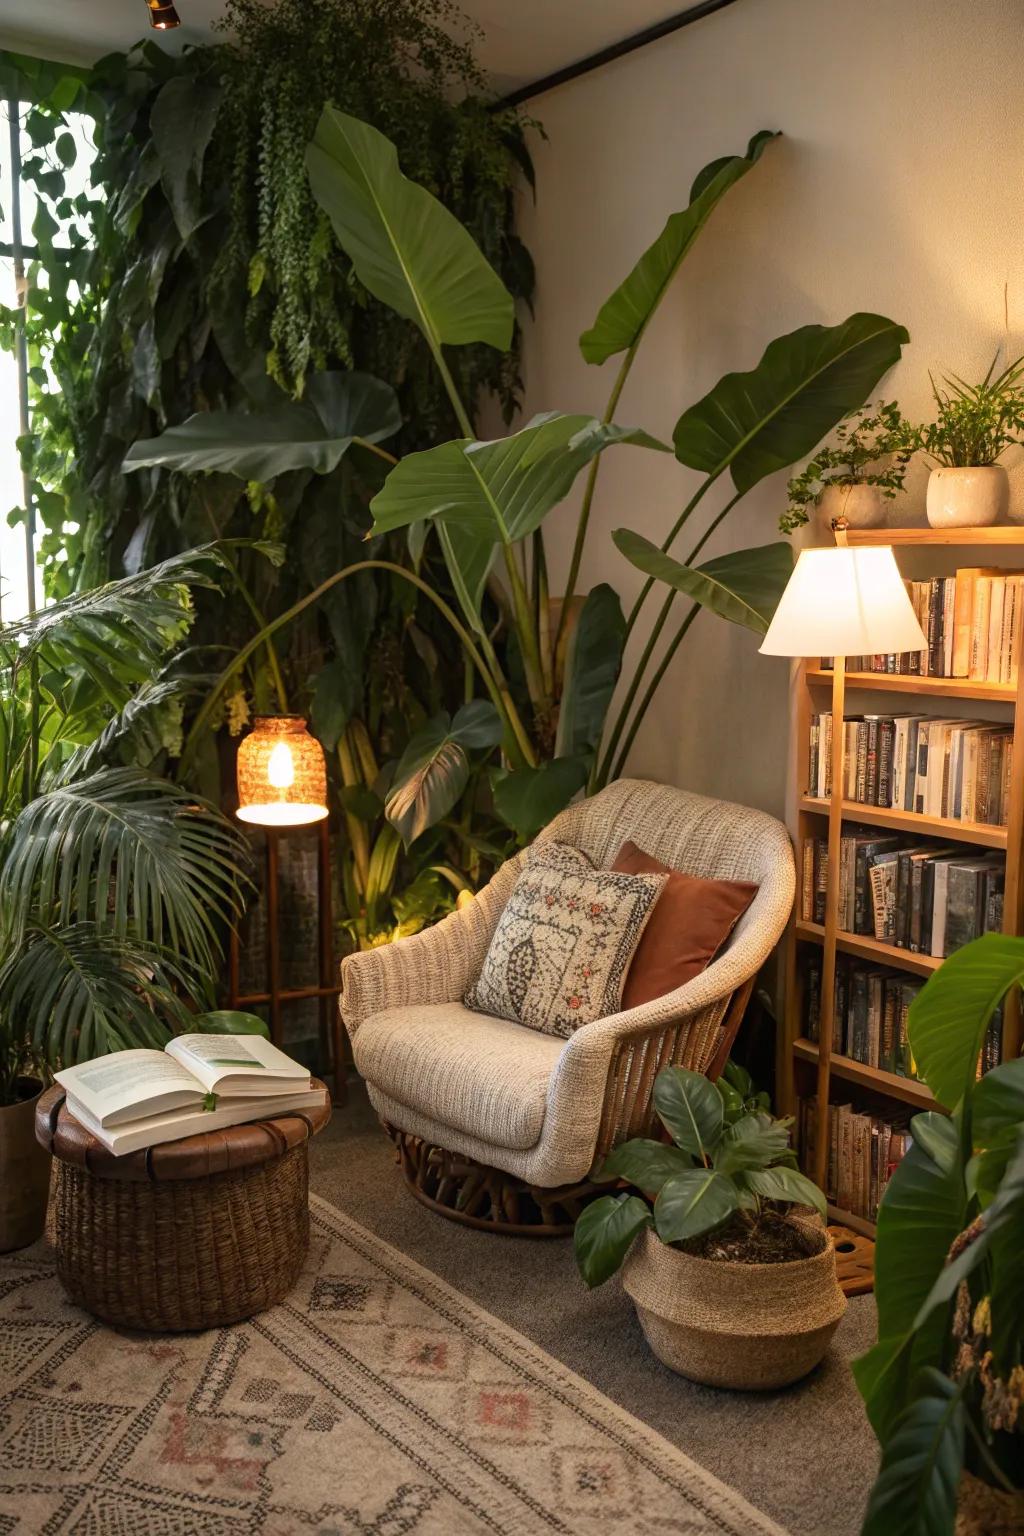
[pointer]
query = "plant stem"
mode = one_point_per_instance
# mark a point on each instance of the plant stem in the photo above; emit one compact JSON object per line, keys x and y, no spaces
{"x":652,"y":689}
{"x":542,"y":605}
{"x":357,"y":834}
{"x":604,"y":773}
{"x":253,"y":607}
{"x":499,"y":695}
{"x":588,"y":498}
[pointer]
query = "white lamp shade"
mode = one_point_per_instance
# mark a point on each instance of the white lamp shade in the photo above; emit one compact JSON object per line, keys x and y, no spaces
{"x":844,"y":602}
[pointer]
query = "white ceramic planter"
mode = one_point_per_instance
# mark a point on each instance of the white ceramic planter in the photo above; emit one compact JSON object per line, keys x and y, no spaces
{"x":862,"y":506}
{"x":747,"y":1326}
{"x":967,"y":498}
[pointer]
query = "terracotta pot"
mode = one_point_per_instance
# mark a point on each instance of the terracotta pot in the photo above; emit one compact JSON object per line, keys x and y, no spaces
{"x":863,"y":506}
{"x":967,"y":498}
{"x":747,"y":1326}
{"x":24,"y":1171}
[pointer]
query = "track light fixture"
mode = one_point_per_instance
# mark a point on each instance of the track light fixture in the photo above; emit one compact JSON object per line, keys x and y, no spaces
{"x":162,"y":15}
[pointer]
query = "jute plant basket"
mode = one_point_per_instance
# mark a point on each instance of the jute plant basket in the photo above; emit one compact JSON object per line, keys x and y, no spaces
{"x":985,"y":1511}
{"x":749,"y":1326}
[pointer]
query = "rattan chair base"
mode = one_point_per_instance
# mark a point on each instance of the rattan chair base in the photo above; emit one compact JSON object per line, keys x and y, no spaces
{"x":186,"y":1254}
{"x":461,"y":1189}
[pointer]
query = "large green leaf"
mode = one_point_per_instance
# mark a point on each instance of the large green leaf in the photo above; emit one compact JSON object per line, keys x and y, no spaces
{"x":623,"y":318}
{"x":744,"y":586}
{"x":182,"y":121}
{"x":693,"y":1202}
{"x":592,"y":669}
{"x":922,"y":1212}
{"x":998,"y":1104}
{"x":405,"y":246}
{"x":690,"y":1108}
{"x":529,"y":798}
{"x":340,"y":409}
{"x":756,"y":1141}
{"x":758,"y":422}
{"x":951,"y":1014}
{"x":490,"y":493}
{"x":647,"y":1164}
{"x":434,"y":769}
{"x":916,"y":1489}
{"x":605,"y":1232}
{"x":786,"y":1184}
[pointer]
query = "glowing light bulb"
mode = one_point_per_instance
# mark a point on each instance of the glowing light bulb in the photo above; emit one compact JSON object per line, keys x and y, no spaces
{"x":280,"y":767}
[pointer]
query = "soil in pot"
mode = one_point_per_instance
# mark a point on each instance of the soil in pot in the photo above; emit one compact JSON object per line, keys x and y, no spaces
{"x":24,"y":1170}
{"x":772,"y":1240}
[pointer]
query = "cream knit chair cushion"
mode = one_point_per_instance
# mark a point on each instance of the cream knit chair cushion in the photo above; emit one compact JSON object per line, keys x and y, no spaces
{"x":483,"y":1076}
{"x":697,"y":834}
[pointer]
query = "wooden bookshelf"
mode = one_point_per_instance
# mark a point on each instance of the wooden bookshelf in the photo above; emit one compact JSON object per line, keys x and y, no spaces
{"x":800,"y":1066}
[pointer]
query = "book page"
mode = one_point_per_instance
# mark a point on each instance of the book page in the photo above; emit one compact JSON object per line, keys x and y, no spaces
{"x":125,"y":1079}
{"x":237,"y":1063}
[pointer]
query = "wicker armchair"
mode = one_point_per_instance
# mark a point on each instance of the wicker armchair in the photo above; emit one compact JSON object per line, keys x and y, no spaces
{"x":499,"y":1125}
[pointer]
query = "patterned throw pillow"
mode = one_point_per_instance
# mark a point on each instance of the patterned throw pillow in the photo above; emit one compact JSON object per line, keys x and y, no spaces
{"x":560,"y":952}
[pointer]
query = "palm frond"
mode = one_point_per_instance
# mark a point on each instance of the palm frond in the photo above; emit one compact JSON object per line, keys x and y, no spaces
{"x":76,"y":992}
{"x":131,"y":853}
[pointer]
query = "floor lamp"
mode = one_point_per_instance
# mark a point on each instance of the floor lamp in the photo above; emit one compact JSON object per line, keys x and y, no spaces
{"x":839,"y":602}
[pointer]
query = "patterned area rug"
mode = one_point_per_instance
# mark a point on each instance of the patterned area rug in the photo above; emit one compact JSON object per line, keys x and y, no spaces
{"x":377,"y":1401}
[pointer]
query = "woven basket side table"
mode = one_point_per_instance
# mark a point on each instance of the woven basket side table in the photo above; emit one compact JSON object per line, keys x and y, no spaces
{"x":188,"y":1235}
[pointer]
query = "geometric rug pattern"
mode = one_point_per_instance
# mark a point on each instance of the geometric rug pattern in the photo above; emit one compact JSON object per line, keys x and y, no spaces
{"x":375,"y":1401}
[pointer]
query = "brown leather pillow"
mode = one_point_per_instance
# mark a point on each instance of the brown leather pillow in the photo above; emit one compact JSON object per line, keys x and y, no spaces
{"x":691,"y":921}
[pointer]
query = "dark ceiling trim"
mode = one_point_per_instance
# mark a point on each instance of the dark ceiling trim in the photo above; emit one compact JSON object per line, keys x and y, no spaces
{"x":615,"y":51}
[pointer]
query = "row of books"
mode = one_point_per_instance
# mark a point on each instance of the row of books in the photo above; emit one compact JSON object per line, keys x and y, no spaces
{"x":925,"y":896}
{"x":957,"y":769}
{"x":870,"y":1019}
{"x":970,"y":621}
{"x":864,"y":1149}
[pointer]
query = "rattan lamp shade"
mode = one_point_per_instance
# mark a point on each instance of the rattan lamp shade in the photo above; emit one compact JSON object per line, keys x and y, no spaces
{"x":282,"y":777}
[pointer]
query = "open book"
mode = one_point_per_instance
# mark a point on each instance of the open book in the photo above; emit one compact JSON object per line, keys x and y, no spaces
{"x":133,"y":1099}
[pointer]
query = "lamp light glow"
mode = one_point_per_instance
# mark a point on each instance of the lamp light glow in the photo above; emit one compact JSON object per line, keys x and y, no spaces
{"x":162,"y":16}
{"x":844,"y":602}
{"x":282,"y":777}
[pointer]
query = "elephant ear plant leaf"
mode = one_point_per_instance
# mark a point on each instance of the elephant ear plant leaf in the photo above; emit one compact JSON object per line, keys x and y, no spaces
{"x":339,"y":409}
{"x":434,"y":769}
{"x":944,"y":1385}
{"x":722,"y":1169}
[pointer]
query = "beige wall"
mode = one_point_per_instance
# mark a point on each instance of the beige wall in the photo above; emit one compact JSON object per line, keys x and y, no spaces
{"x":898,"y":188}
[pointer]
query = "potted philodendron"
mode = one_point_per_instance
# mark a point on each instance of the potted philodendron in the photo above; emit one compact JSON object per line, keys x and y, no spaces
{"x":856,"y":473}
{"x":731,"y":1286}
{"x":974,"y":426}
{"x":944,"y":1385}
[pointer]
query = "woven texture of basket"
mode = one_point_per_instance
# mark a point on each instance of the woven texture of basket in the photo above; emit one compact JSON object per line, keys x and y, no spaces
{"x":745,"y":1326}
{"x":985,"y":1511}
{"x":192,"y":1234}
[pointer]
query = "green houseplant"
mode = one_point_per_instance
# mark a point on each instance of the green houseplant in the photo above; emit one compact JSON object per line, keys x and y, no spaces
{"x":974,"y":426}
{"x":944,"y":1385}
{"x":847,"y":477}
{"x":705,"y":1275}
{"x":549,"y":665}
{"x":115,"y":885}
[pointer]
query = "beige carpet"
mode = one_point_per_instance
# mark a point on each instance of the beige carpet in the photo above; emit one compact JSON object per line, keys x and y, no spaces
{"x":378,"y":1401}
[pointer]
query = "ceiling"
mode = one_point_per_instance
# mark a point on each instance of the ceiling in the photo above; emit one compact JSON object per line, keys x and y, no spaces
{"x":523,"y":40}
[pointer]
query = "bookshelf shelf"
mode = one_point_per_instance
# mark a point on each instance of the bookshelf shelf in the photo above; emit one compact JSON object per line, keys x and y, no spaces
{"x":806,"y":1072}
{"x":912,"y":821}
{"x":921,"y":687}
{"x":903,"y":1088}
{"x":864,"y":948}
{"x":964,"y":538}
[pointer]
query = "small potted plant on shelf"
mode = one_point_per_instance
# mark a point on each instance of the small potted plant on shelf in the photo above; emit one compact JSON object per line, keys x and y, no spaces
{"x":854,"y":475}
{"x":974,"y":426}
{"x":731,"y":1287}
{"x":944,"y":1385}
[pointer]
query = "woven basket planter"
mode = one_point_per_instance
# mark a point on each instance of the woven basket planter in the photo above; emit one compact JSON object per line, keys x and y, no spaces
{"x":191,"y":1234}
{"x":985,"y":1511}
{"x":747,"y":1326}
